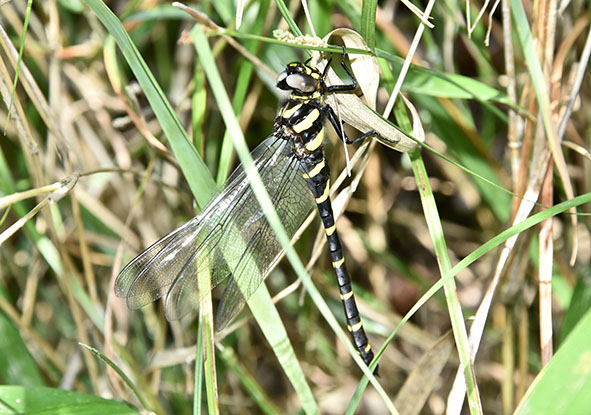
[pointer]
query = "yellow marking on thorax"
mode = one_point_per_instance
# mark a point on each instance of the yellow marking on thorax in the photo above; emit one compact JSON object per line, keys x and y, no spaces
{"x":315,"y":170}
{"x":337,"y":264}
{"x":324,"y":195}
{"x":288,"y":112}
{"x":306,"y":97}
{"x":307,"y":122}
{"x":316,"y":141}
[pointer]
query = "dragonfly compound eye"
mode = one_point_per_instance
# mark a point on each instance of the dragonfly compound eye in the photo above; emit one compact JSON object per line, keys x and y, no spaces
{"x":299,"y":82}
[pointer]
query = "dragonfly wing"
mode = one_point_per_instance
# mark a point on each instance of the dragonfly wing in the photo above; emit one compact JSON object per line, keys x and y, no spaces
{"x":293,"y":201}
{"x":150,"y":275}
{"x":248,"y":247}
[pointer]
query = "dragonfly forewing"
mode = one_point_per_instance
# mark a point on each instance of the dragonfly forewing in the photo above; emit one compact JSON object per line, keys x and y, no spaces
{"x":248,"y":247}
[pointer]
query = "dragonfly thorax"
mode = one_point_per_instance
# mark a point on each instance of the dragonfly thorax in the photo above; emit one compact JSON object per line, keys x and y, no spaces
{"x":302,"y":123}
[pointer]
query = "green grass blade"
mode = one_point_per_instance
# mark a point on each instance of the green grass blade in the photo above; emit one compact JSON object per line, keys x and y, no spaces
{"x":368,"y":22}
{"x":16,"y":363}
{"x":121,"y":374}
{"x":290,"y":22}
{"x":198,"y":382}
{"x":564,"y":385}
{"x":51,"y":401}
{"x":451,"y":295}
{"x":206,"y":330}
{"x":199,"y":103}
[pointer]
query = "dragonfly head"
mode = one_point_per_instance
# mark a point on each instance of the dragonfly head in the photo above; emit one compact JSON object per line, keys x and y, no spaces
{"x":300,"y":78}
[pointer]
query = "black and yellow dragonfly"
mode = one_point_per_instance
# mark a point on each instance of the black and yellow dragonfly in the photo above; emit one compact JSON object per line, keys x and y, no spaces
{"x":231,"y":239}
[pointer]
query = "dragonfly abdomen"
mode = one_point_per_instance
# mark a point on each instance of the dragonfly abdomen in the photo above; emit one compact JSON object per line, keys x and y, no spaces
{"x":354,"y":324}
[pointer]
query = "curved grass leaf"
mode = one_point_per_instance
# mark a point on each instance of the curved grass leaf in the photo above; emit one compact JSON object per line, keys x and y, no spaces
{"x":123,"y":376}
{"x":16,"y":363}
{"x":368,"y":22}
{"x":579,"y":305}
{"x":564,"y":384}
{"x":51,"y":401}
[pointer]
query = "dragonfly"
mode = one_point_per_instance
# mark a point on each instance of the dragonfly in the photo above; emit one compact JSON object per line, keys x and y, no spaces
{"x":231,"y":239}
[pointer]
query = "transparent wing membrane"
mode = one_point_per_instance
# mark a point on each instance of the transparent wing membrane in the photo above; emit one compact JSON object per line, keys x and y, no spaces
{"x":293,"y":202}
{"x":229,"y":238}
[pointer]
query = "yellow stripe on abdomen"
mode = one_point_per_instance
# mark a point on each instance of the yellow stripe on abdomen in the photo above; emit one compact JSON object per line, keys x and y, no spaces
{"x":315,"y":170}
{"x":338,"y":263}
{"x":322,"y":198}
{"x":345,"y":297}
{"x":330,"y":230}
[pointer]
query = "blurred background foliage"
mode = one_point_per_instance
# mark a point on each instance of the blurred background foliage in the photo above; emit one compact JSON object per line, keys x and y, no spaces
{"x":77,"y":108}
